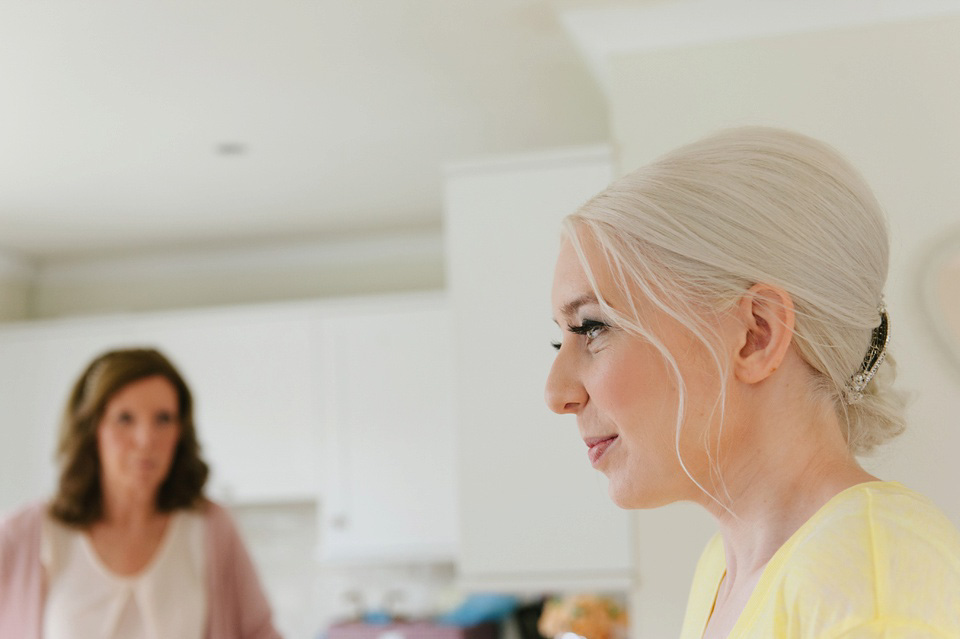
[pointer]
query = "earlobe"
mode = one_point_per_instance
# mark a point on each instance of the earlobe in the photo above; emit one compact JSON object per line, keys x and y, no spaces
{"x":767,"y":321}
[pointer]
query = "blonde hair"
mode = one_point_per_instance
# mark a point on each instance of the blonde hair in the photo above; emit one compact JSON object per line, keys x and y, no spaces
{"x":694,"y":230}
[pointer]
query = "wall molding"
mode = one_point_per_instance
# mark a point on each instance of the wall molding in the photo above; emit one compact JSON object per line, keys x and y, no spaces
{"x":269,"y":258}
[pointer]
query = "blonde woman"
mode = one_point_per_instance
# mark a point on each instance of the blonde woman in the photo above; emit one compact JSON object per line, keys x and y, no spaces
{"x":725,"y":342}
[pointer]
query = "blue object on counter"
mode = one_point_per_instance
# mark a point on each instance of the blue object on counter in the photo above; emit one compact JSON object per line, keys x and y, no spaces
{"x":480,"y":608}
{"x":377,"y":617}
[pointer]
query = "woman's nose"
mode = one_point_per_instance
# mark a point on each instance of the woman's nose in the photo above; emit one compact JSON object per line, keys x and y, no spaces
{"x":564,"y":393}
{"x":143,"y":434}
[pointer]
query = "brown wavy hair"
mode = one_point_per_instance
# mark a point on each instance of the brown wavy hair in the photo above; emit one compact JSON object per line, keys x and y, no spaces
{"x":79,"y":500}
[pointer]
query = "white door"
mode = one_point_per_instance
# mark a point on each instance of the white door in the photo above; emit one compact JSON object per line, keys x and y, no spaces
{"x":391,"y":493}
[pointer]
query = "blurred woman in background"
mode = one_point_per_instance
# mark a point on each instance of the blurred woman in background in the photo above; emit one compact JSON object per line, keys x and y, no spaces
{"x":724,"y":340}
{"x":129,"y":547}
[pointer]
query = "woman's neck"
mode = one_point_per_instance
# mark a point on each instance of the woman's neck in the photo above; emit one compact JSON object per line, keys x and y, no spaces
{"x":787,"y":458}
{"x":790,"y":459}
{"x":767,"y":515}
{"x":129,"y":509}
{"x":128,"y":539}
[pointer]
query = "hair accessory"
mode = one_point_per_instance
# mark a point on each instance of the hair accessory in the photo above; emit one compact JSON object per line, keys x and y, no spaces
{"x":872,"y":360}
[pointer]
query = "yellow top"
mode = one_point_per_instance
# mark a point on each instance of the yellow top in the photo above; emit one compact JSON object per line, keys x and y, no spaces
{"x":876,"y":561}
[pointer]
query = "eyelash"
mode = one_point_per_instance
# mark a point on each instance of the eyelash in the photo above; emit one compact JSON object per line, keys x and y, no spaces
{"x":586,"y":328}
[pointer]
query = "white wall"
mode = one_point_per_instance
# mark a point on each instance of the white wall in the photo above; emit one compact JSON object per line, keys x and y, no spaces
{"x":888,"y":97}
{"x":534,"y":515}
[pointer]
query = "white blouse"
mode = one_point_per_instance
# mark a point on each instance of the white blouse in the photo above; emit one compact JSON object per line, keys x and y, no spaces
{"x":85,"y":600}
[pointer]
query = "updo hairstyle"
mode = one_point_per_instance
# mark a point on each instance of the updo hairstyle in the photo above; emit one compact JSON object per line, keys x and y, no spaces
{"x":694,"y":230}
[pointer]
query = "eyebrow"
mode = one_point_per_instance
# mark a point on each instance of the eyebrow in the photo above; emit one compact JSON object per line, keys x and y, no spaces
{"x":570,"y":308}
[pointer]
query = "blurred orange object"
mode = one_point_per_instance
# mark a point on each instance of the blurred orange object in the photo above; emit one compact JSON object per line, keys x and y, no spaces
{"x":590,"y":616}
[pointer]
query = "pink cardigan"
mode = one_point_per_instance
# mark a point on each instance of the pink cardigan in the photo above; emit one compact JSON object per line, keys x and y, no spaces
{"x":237,"y":607}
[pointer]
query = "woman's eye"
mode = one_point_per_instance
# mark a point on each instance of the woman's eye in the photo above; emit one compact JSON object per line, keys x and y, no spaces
{"x":165,"y":418}
{"x":124,"y":418}
{"x":591,"y":329}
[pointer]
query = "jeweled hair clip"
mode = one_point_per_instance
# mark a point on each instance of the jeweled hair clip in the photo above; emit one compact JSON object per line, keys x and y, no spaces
{"x":872,"y":360}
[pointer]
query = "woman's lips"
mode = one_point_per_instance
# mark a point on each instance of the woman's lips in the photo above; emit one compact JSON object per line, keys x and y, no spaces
{"x":597,"y":446}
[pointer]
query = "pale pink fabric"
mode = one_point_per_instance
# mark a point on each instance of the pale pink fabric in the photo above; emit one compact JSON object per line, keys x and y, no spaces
{"x":238,"y":609}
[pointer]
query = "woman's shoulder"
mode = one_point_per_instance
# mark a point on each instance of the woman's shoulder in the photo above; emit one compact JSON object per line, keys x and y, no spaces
{"x":25,"y":521}
{"x":20,"y":540}
{"x":880,"y":527}
{"x":898,"y":509}
{"x":877,"y":550}
{"x":21,"y":573}
{"x":887,"y":519}
{"x":217,"y":519}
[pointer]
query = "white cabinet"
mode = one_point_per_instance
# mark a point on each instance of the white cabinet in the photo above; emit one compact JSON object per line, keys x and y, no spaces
{"x":38,"y":366}
{"x":534,"y":514}
{"x":389,"y":492}
{"x":348,"y":400}
{"x":254,"y":377}
{"x":26,"y":434}
{"x":254,"y":373}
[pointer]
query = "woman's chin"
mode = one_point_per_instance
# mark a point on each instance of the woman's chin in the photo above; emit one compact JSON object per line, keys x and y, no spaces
{"x":626,"y":499}
{"x":636,"y":497}
{"x":146,"y":485}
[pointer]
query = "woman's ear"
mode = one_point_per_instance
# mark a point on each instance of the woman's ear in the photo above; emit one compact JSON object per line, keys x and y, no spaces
{"x":767,"y":321}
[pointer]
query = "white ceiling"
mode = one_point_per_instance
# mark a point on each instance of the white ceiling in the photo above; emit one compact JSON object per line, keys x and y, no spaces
{"x":112,"y":115}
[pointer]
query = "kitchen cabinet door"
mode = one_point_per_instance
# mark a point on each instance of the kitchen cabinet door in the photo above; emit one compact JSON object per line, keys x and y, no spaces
{"x":254,"y":374}
{"x":389,"y":491}
{"x":534,"y":514}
